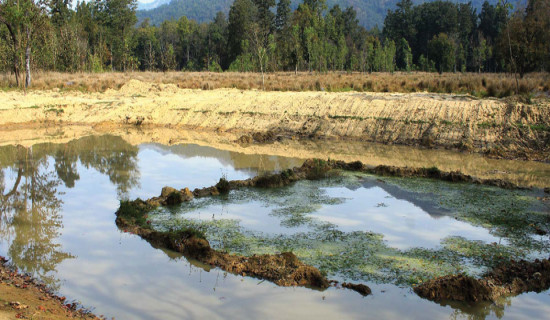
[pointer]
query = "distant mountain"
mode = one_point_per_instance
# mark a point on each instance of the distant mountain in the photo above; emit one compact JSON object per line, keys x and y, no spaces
{"x":369,"y":12}
{"x":152,"y":4}
{"x":200,"y":10}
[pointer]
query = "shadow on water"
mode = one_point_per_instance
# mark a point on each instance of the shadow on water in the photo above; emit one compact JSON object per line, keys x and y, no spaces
{"x":427,"y":206}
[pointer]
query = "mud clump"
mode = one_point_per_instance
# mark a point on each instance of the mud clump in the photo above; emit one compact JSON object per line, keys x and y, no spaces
{"x":454,"y":288}
{"x":360,"y":288}
{"x":170,"y":196}
{"x":223,"y":186}
{"x":435,"y":173}
{"x":246,"y":139}
{"x":510,"y":278}
{"x":546,"y":190}
{"x":523,"y":276}
{"x":275,"y":180}
{"x":316,"y":169}
{"x":206,"y":192}
{"x":197,"y":248}
{"x":264,"y":137}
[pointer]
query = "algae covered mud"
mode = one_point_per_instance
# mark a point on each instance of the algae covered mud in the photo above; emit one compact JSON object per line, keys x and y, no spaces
{"x":390,"y":233}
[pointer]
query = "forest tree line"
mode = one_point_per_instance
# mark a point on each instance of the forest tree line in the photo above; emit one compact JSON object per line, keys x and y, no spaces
{"x":267,"y":35}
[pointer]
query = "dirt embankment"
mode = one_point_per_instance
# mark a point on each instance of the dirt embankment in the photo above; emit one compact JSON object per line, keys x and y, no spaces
{"x":23,"y":298}
{"x":496,"y":127}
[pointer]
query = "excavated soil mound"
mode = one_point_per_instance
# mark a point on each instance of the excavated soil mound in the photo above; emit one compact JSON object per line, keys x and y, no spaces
{"x":455,"y":288}
{"x":360,"y":288}
{"x":510,"y":278}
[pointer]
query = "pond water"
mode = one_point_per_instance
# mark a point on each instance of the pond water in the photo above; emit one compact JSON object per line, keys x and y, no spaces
{"x":57,"y":222}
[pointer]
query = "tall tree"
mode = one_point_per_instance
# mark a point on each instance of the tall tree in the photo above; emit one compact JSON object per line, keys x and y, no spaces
{"x":282,"y":19}
{"x":60,"y":11}
{"x":442,"y":52}
{"x":241,"y":17}
{"x":118,"y":17}
{"x":265,"y":17}
{"x":23,"y":19}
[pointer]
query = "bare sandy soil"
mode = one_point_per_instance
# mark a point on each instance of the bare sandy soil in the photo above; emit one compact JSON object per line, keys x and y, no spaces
{"x":501,"y":128}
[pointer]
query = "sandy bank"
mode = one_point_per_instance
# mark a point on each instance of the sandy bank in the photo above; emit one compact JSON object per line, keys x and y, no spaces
{"x":497,"y":127}
{"x":23,"y":298}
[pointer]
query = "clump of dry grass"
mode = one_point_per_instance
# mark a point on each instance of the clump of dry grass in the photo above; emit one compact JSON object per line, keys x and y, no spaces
{"x":479,"y":85}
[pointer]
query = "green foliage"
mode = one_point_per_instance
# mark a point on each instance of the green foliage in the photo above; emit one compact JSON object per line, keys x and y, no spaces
{"x":133,"y":210}
{"x":254,"y":36}
{"x":223,"y":185}
{"x":442,"y":51}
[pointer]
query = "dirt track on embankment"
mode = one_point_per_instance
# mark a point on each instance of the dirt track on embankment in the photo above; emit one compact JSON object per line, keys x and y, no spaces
{"x":501,"y":128}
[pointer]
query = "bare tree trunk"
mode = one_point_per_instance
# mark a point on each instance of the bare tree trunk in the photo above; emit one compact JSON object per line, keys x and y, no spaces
{"x":16,"y":63}
{"x":188,"y":53}
{"x":263,"y":77}
{"x":28,"y":60}
{"x":511,"y":58}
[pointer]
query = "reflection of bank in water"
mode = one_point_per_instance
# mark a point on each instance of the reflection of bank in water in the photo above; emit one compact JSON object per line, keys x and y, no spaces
{"x":524,"y":173}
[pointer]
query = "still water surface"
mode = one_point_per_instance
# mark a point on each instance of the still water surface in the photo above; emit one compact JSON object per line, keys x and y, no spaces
{"x":57,"y":222}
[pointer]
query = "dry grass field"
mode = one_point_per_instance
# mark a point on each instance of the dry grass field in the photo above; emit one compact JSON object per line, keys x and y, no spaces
{"x":478,"y":85}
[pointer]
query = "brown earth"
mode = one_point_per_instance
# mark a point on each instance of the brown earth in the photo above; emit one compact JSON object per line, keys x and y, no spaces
{"x":508,"y":279}
{"x":360,"y":288}
{"x":23,"y":298}
{"x":501,"y":128}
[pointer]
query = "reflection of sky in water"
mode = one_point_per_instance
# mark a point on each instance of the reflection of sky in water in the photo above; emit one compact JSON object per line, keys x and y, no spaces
{"x":122,"y":276}
{"x":253,"y":215}
{"x":166,"y":169}
{"x":403,"y":224}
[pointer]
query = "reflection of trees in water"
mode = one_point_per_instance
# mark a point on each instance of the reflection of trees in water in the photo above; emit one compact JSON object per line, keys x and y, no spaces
{"x":108,"y":155}
{"x":30,"y":219}
{"x":481,"y":310}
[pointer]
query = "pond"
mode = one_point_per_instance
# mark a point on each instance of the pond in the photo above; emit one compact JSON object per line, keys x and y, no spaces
{"x":57,"y":222}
